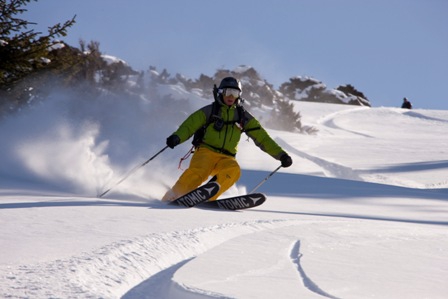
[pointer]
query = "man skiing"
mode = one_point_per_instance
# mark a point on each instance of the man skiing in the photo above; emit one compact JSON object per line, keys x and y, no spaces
{"x":221,"y":125}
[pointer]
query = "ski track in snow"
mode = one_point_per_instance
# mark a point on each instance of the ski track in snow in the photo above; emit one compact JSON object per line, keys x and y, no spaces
{"x":330,"y":169}
{"x":127,"y":263}
{"x":335,"y":170}
{"x":329,"y":121}
{"x":307,"y":282}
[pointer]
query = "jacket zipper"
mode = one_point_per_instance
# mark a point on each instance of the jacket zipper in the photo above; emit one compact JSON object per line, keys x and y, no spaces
{"x":227,"y":126}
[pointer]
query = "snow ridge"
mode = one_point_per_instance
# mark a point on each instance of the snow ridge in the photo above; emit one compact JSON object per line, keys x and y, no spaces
{"x":114,"y":269}
{"x":307,"y":282}
{"x":330,"y":169}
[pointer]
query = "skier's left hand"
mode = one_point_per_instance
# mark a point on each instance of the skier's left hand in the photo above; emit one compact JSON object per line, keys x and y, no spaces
{"x":286,"y":160}
{"x":172,"y":141}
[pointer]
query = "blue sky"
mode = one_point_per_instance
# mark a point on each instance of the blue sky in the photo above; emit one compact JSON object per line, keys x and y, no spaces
{"x":388,"y":49}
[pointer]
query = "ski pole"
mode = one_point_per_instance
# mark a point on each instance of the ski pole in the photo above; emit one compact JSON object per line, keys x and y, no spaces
{"x":265,"y":179}
{"x":132,"y":171}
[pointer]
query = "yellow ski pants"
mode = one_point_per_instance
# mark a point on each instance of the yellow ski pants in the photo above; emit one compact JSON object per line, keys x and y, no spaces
{"x":206,"y":163}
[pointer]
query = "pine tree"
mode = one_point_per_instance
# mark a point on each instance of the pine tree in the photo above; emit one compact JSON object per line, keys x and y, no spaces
{"x":361,"y":99}
{"x":23,"y":51}
{"x":283,"y":117}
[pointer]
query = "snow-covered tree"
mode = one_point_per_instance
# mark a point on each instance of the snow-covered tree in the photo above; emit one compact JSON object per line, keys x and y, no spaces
{"x":24,"y":51}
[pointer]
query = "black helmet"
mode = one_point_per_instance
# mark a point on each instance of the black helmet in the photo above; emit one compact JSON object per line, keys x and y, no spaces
{"x":230,"y":82}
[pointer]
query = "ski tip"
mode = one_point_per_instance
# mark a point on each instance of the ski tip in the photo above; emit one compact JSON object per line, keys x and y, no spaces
{"x":102,"y":194}
{"x":198,"y":195}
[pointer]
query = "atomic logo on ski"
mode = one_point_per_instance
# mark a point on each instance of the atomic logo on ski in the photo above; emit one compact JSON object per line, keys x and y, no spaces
{"x":196,"y":197}
{"x":256,"y":198}
{"x":237,"y":202}
{"x":242,"y":202}
{"x":199,"y":195}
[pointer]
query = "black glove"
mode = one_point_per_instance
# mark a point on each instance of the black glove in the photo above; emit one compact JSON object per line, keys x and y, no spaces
{"x":286,"y":160}
{"x":172,"y":141}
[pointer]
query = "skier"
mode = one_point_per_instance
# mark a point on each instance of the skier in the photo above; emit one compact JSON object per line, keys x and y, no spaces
{"x":406,"y":104}
{"x":221,"y":125}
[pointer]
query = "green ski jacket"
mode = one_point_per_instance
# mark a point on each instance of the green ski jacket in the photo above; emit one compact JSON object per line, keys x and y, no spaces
{"x":225,"y":139}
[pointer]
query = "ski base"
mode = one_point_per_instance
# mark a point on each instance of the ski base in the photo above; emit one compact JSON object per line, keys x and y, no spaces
{"x":197,"y":196}
{"x":236,"y":203}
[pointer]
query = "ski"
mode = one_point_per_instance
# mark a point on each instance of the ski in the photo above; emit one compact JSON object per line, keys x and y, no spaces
{"x":198,"y":195}
{"x":236,"y":203}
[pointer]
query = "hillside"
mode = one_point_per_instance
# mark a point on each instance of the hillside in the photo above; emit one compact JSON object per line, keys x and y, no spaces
{"x":362,"y":213}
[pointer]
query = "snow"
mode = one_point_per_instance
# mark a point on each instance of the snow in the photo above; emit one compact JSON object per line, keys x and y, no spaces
{"x":112,"y":59}
{"x":56,"y":46}
{"x":362,"y":212}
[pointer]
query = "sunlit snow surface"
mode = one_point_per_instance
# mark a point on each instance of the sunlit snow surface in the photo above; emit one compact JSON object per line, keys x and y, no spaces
{"x":362,"y":213}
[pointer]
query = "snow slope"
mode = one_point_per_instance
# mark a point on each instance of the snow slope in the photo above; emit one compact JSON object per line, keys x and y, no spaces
{"x":362,"y":212}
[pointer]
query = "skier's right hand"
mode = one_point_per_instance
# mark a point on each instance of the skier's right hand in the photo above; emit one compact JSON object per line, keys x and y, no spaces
{"x":172,"y":141}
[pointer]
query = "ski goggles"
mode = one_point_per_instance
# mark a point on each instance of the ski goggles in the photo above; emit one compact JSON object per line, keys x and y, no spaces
{"x":232,"y":92}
